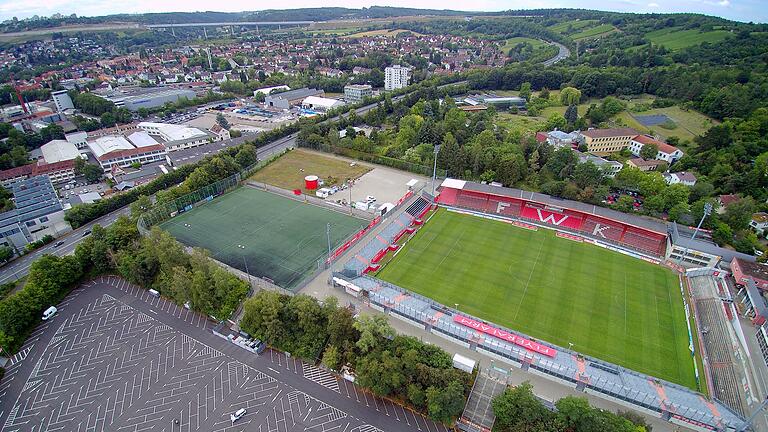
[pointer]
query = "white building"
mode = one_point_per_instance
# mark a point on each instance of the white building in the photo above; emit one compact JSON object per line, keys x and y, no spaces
{"x":118,"y":150}
{"x":396,"y":77}
{"x":58,"y":151}
{"x":357,"y":92}
{"x":682,"y":177}
{"x":177,"y":137}
{"x":610,"y":168}
{"x":320,"y":104}
{"x":667,"y":153}
{"x":79,"y":139}
{"x":267,"y":90}
{"x":62,"y":100}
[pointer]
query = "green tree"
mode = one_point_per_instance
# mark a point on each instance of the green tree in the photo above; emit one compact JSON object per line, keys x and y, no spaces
{"x":92,"y":172}
{"x":570,"y":96}
{"x":649,"y":151}
{"x":222,"y":121}
{"x":246,"y":156}
{"x":738,"y":214}
{"x":262,"y":316}
{"x":140,"y":206}
{"x":572,"y":114}
{"x":6,"y":253}
{"x":445,"y":404}
{"x":372,"y":328}
{"x":556,"y":121}
{"x":518,"y":407}
{"x":332,"y":358}
{"x":587,"y":175}
{"x":525,"y":90}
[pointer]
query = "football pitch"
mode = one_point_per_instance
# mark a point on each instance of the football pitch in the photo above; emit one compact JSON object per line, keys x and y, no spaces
{"x":610,"y":306}
{"x":276,"y":237}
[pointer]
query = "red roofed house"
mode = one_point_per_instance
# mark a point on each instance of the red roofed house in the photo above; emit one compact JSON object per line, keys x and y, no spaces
{"x":667,"y":153}
{"x":745,"y":270}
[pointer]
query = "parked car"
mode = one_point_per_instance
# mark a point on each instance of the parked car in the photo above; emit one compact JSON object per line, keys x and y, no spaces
{"x":237,"y":415}
{"x":49,"y":313}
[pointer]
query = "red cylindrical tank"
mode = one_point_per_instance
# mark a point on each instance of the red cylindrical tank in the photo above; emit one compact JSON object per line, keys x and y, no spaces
{"x":310,"y":182}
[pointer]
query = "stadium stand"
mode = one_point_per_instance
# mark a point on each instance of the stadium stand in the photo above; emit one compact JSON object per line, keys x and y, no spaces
{"x":366,"y":259}
{"x":631,"y":232}
{"x":722,"y":364}
{"x":678,"y":404}
{"x":419,"y":208}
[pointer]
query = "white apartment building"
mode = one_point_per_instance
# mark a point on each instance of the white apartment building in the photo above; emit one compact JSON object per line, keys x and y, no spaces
{"x":396,"y":77}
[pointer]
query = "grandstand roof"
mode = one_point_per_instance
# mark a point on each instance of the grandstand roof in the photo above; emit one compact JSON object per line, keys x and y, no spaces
{"x":701,"y":244}
{"x":640,"y":222}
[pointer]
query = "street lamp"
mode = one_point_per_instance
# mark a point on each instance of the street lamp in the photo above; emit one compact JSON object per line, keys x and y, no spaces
{"x":245,"y":264}
{"x":434,"y":169}
{"x":456,"y":306}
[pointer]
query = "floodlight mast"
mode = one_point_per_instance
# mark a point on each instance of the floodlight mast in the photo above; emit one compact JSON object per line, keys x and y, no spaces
{"x":707,"y":212}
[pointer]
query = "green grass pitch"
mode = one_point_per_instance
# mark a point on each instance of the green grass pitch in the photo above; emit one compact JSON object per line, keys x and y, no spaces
{"x":282,"y":238}
{"x":610,"y":306}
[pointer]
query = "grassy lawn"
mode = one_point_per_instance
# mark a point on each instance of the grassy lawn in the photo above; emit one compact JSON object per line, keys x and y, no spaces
{"x":688,"y":123}
{"x":510,"y":122}
{"x":289,"y":170}
{"x":593,"y":32}
{"x":610,"y":306}
{"x":575,"y":25}
{"x":510,"y":43}
{"x":674,"y":38}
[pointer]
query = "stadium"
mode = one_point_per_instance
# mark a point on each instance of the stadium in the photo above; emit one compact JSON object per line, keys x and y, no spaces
{"x":575,"y":292}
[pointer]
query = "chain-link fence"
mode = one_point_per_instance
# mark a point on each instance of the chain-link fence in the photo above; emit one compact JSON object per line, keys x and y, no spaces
{"x":378,"y":159}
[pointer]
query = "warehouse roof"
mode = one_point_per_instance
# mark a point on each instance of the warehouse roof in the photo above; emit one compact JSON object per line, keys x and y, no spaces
{"x":58,"y":151}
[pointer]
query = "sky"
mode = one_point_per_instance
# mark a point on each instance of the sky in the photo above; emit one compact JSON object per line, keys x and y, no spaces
{"x":739,"y":10}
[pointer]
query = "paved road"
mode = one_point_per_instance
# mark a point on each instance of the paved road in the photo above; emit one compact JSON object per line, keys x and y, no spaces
{"x":20,"y":267}
{"x":117,"y":359}
{"x":563,"y":53}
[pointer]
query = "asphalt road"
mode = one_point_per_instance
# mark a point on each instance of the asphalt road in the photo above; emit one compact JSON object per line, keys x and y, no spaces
{"x":563,"y":53}
{"x":20,"y":267}
{"x":115,"y":358}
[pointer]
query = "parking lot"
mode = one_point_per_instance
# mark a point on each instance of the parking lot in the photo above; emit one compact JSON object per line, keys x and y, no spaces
{"x":117,"y":359}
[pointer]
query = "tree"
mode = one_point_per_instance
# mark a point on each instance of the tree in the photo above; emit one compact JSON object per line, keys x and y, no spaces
{"x":556,"y":121}
{"x":92,"y":172}
{"x":738,"y":214}
{"x":518,"y":406}
{"x":246,"y":156}
{"x":332,"y":357}
{"x":587,"y":175}
{"x":222,"y":121}
{"x":649,"y":151}
{"x":107,"y":120}
{"x":445,"y":404}
{"x":525,"y":90}
{"x":570,"y":96}
{"x":572,"y":114}
{"x":140,"y":206}
{"x":262,"y":316}
{"x":372,"y":329}
{"x":6,"y":253}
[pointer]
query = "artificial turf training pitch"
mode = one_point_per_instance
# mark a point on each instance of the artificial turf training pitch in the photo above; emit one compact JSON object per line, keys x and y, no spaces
{"x":280,"y":238}
{"x":610,"y":306}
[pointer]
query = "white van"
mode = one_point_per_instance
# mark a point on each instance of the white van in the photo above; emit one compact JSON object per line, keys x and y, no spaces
{"x":154,"y":293}
{"x":49,"y":313}
{"x":322,"y":193}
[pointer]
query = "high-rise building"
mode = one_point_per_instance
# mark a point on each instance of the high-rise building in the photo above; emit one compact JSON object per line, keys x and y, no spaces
{"x":396,"y":77}
{"x":62,"y":100}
